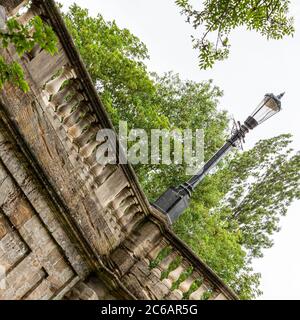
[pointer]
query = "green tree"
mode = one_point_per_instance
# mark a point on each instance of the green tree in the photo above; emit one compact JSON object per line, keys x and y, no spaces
{"x":186,"y":104}
{"x":115,"y":60}
{"x":24,"y":40}
{"x":235,"y":211}
{"x":216,"y":19}
{"x":265,"y":182}
{"x":208,"y":236}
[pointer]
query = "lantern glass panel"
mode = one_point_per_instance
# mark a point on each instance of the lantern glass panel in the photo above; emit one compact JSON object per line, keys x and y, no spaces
{"x":269,"y":106}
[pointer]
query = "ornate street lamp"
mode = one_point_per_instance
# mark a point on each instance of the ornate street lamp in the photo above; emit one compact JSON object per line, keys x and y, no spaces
{"x":175,"y":200}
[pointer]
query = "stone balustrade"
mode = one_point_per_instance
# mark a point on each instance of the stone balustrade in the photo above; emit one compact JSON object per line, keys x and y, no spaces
{"x":71,"y":113}
{"x":165,"y":271}
{"x":178,"y":276}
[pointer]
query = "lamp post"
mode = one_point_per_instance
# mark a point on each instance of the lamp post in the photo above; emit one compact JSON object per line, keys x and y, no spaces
{"x":175,"y":200}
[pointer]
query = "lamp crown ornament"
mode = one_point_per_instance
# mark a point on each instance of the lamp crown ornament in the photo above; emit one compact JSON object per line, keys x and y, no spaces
{"x":175,"y":200}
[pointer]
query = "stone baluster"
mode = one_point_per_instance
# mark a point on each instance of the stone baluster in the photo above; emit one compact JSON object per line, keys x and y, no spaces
{"x":66,"y":108}
{"x":91,"y":161}
{"x":156,"y":250}
{"x":124,"y":206}
{"x":24,"y":19}
{"x":107,"y":171}
{"x":96,"y":165}
{"x":61,"y":96}
{"x":76,"y":130}
{"x":53,"y":86}
{"x":157,"y":272}
{"x":153,"y":253}
{"x":186,"y":284}
{"x":173,"y":276}
{"x":127,"y":202}
{"x":143,"y":242}
{"x":164,"y":264}
{"x":128,"y":215}
{"x":76,"y":115}
{"x":134,"y":219}
{"x":87,"y":137}
{"x":96,"y":170}
{"x":121,"y":196}
{"x":196,"y":295}
{"x":89,"y":148}
{"x":103,"y":158}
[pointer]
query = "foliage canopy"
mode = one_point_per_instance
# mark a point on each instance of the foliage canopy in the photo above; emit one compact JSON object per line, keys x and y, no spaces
{"x":24,"y":40}
{"x":216,"y":19}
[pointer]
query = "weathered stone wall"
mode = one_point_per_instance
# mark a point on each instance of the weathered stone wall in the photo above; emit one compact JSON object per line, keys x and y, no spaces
{"x":39,"y":259}
{"x":61,"y":134}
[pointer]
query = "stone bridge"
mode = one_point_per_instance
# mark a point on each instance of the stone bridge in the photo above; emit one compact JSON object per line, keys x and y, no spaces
{"x":71,"y":228}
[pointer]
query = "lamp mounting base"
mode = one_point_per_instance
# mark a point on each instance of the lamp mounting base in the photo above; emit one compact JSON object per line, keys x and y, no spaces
{"x":172,"y":203}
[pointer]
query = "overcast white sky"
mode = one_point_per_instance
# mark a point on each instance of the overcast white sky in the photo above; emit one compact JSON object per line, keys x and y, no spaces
{"x":256,"y":66}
